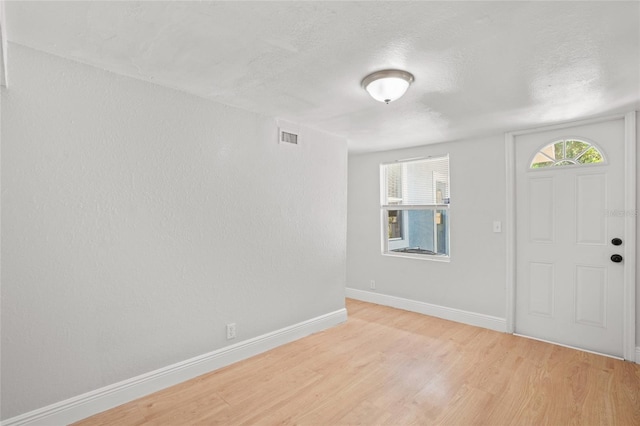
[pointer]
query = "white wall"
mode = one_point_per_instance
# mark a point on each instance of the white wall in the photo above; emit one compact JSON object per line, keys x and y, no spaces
{"x":474,"y":280}
{"x":138,"y":220}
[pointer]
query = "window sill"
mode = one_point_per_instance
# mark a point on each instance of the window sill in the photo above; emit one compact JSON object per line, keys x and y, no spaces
{"x":429,"y":257}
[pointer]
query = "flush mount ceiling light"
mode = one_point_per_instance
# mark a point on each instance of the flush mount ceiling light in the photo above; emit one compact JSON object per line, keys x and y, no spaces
{"x":387,"y":85}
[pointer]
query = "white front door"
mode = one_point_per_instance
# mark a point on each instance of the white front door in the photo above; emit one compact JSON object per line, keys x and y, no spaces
{"x":569,"y":208}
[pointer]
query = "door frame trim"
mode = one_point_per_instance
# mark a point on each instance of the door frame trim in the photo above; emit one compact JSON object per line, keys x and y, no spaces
{"x":629,"y":302}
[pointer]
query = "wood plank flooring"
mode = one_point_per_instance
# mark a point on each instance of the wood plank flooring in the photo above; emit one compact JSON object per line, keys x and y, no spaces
{"x":388,"y":366}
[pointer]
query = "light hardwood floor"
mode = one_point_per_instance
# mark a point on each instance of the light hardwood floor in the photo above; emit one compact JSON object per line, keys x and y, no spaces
{"x":388,"y":366}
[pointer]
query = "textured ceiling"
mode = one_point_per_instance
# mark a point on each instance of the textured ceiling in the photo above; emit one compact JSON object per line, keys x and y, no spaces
{"x":480,"y":67}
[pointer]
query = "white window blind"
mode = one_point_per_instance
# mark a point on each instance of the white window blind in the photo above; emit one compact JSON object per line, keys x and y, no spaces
{"x":416,"y":183}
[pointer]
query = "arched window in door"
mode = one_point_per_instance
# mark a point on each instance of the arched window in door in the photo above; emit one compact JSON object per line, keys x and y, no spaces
{"x":567,"y":152}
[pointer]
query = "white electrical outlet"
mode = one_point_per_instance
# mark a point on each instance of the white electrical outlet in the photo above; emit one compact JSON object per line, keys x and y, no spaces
{"x":231,"y":331}
{"x":372,"y":285}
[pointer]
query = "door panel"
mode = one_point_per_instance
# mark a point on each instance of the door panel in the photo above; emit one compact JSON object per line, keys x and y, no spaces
{"x":591,"y":206}
{"x":541,"y":289}
{"x":591,"y":296}
{"x":541,"y":199}
{"x":567,"y":289}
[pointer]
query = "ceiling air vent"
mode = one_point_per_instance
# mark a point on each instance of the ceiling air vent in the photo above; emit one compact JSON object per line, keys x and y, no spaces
{"x":288,"y":137}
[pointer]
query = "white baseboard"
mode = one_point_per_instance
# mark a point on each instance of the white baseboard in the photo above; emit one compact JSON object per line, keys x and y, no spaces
{"x":638,"y":355}
{"x":99,"y":400}
{"x":465,"y":317}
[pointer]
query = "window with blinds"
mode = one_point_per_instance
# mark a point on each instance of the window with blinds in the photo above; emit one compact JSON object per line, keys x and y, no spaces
{"x":415,"y":201}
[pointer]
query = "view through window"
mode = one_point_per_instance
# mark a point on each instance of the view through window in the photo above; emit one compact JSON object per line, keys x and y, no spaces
{"x":415,"y":207}
{"x":567,"y":152}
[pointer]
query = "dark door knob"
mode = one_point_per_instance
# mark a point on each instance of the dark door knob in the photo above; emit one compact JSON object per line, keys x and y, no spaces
{"x":616,"y":258}
{"x":616,"y":241}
